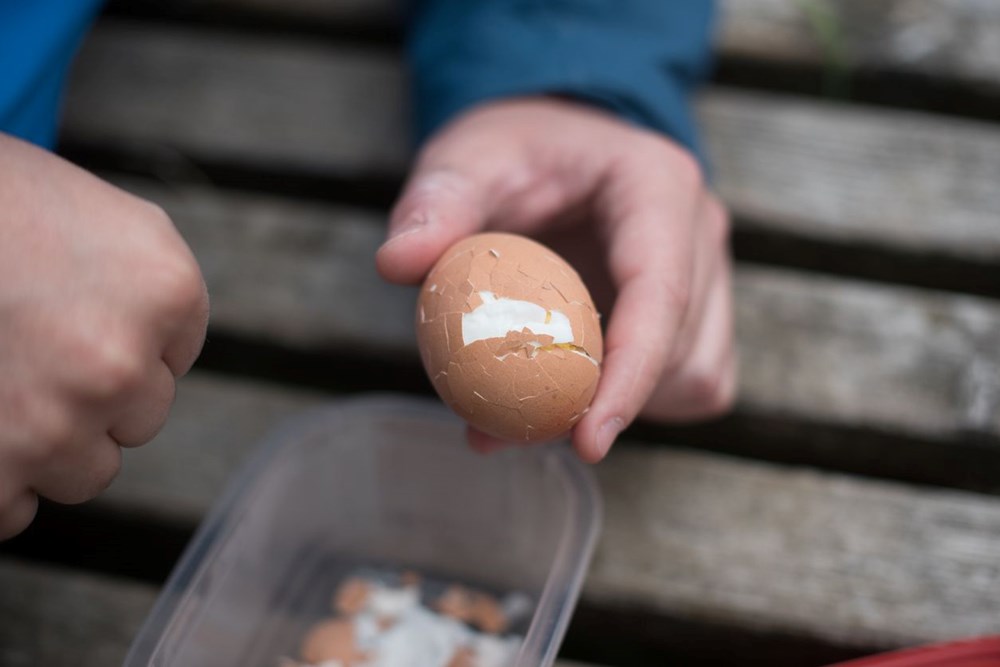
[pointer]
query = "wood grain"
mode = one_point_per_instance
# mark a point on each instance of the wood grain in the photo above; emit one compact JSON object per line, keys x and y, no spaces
{"x":896,"y":180}
{"x":820,"y":349}
{"x":65,"y":618}
{"x":849,"y":561}
{"x":239,"y":98}
{"x":61,"y":618}
{"x":905,"y":181}
{"x":955,"y":39}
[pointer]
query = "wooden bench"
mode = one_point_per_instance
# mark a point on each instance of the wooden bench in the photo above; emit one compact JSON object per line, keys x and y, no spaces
{"x":848,"y":505}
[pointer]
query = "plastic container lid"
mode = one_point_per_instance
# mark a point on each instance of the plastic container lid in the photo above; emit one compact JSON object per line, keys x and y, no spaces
{"x":979,"y":652}
{"x":374,"y":482}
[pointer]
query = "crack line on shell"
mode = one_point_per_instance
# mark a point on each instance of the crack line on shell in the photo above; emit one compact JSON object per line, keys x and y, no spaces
{"x":538,"y":395}
{"x":441,"y":269}
{"x":552,"y":379}
{"x":559,"y":291}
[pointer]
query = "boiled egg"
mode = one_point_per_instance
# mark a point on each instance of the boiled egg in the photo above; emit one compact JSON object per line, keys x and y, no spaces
{"x":509,"y":336}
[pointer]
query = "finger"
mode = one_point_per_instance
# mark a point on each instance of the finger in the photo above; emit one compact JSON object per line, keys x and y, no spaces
{"x":710,"y":253}
{"x":649,"y":225}
{"x":704,"y":384}
{"x":185,"y":341}
{"x":438,"y":207}
{"x":81,"y":473}
{"x":17,"y":513}
{"x":142,"y":416}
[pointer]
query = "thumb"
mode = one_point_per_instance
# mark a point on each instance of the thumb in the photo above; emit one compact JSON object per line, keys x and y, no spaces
{"x":437,"y":208}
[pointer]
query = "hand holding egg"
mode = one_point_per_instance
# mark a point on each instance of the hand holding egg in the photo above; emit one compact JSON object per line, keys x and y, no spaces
{"x":509,"y":337}
{"x":630,"y":208}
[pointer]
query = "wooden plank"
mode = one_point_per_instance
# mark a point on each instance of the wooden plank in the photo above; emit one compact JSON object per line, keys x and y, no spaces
{"x":200,"y":94}
{"x":693,"y":535}
{"x":855,"y":563}
{"x":58,"y":618}
{"x":890,"y":179}
{"x":215,"y":424}
{"x":957,"y":39}
{"x":64,"y":618}
{"x":828,"y":349}
{"x":900,"y":180}
{"x":818,"y":349}
{"x":295,"y":272}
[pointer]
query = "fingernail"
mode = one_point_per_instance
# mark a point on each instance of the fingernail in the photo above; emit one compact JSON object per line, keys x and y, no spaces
{"x":607,"y":433}
{"x":412,"y":225}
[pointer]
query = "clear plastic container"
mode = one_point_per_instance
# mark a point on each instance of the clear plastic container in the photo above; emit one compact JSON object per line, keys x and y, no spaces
{"x":373,"y":482}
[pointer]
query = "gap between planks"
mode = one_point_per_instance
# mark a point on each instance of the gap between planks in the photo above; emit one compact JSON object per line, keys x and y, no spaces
{"x":823,"y":350}
{"x":892,"y":182}
{"x":694,"y":535}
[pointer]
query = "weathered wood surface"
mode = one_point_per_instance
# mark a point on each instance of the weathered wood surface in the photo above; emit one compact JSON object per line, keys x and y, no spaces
{"x":299,"y":273}
{"x":214,"y":425}
{"x":821,"y":349}
{"x":898,"y":180}
{"x":849,"y":561}
{"x":957,"y":39}
{"x":239,"y":98}
{"x":893,"y":179}
{"x":59,"y":618}
{"x":54,"y":617}
{"x":893,"y":358}
{"x":853,"y":562}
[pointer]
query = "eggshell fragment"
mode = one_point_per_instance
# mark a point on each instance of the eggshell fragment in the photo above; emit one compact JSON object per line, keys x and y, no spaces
{"x":510,"y":337}
{"x":352,"y":596}
{"x":474,"y":607}
{"x":332,"y":640}
{"x":464,"y":657}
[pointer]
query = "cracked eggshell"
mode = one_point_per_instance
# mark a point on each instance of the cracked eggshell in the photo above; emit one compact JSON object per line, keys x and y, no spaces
{"x":524,"y":368}
{"x":332,"y":639}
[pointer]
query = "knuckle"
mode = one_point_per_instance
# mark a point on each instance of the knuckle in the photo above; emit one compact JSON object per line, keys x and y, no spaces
{"x":153,"y":212}
{"x":714,"y":392}
{"x":116,"y":368}
{"x":46,"y":430}
{"x":719,"y":222}
{"x":677,"y":296}
{"x":105,"y":472}
{"x":427,"y":191}
{"x":178,"y":286}
{"x":92,"y":479}
{"x":54,"y":433}
{"x":680,"y":163}
{"x":17,"y":514}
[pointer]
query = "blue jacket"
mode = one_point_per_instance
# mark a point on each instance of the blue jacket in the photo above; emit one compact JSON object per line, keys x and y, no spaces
{"x":639,"y":58}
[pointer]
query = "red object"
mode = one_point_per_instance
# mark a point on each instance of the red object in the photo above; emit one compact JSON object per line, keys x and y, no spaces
{"x":979,"y":652}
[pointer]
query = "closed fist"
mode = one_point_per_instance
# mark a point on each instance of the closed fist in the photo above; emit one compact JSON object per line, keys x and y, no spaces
{"x":102,"y":307}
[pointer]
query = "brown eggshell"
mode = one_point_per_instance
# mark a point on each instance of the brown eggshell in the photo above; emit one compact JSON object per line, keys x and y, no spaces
{"x":463,"y":657}
{"x":352,"y":596}
{"x":332,"y":639}
{"x":520,"y":386}
{"x":456,"y":602}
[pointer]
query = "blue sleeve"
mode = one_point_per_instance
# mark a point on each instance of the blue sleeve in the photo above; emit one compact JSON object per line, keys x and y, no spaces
{"x":38,"y":39}
{"x":639,"y":58}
